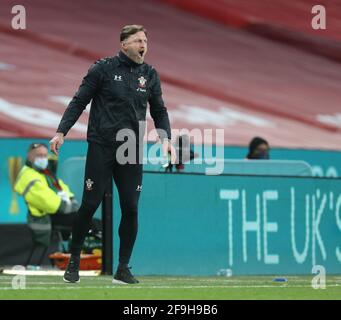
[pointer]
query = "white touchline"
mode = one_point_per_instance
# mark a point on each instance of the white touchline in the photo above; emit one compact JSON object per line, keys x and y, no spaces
{"x":168,"y":287}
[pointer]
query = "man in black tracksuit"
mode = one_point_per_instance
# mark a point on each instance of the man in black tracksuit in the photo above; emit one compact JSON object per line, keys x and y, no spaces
{"x":120,"y":88}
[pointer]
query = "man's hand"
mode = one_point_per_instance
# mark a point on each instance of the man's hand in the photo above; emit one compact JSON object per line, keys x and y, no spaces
{"x":167,"y":148}
{"x":56,"y":142}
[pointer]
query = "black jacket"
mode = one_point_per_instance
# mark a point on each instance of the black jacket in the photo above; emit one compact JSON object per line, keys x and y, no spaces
{"x":119,"y":89}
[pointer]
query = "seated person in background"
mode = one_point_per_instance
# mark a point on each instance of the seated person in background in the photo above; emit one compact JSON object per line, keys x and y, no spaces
{"x":50,"y":201}
{"x":258,"y":149}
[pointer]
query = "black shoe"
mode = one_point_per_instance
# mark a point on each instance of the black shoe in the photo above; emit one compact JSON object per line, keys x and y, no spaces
{"x":71,"y":274}
{"x":124,"y":275}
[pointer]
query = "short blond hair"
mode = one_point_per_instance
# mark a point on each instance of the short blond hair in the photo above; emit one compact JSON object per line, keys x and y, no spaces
{"x":129,"y":30}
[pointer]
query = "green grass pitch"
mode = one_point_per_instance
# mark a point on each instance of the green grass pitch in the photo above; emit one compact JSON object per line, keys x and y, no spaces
{"x":168,"y":288}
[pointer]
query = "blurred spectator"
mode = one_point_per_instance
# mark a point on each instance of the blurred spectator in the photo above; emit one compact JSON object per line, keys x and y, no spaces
{"x":183,"y":154}
{"x":258,"y":149}
{"x":49,"y":200}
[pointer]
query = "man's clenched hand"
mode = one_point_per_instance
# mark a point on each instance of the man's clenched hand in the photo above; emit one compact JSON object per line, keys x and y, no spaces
{"x":168,"y":148}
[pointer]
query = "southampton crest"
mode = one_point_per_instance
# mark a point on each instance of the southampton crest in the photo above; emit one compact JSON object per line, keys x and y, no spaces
{"x":142,"y":84}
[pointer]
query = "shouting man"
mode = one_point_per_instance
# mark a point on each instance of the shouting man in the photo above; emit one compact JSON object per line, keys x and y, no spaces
{"x":120,"y":88}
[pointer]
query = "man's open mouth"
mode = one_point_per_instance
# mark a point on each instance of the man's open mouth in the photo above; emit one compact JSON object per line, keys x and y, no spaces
{"x":141,"y":53}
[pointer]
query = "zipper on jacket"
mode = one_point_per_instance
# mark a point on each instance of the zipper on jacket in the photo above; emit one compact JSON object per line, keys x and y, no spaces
{"x":131,"y":79}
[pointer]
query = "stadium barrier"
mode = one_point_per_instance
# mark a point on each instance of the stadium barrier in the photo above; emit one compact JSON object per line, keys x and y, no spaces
{"x":194,"y":224}
{"x":324,"y":163}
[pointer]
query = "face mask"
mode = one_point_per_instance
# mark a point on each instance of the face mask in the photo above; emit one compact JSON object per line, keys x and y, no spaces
{"x":41,"y":163}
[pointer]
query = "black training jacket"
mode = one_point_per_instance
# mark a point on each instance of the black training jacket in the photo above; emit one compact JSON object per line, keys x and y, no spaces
{"x":119,"y":89}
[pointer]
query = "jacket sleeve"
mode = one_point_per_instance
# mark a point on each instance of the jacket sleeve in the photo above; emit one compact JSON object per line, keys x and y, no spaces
{"x":87,"y":90}
{"x":158,"y":111}
{"x":66,"y":188}
{"x":42,"y":197}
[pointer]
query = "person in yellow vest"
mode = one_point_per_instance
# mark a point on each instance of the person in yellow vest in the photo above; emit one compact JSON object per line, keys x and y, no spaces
{"x":49,"y":199}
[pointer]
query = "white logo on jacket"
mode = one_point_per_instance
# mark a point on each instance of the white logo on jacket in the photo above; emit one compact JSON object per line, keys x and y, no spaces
{"x":142,"y":84}
{"x":89,"y":184}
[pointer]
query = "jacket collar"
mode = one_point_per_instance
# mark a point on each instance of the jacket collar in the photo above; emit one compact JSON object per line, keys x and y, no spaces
{"x":127,"y":61}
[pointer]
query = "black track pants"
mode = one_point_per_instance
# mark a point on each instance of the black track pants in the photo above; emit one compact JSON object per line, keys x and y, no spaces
{"x":101,"y":166}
